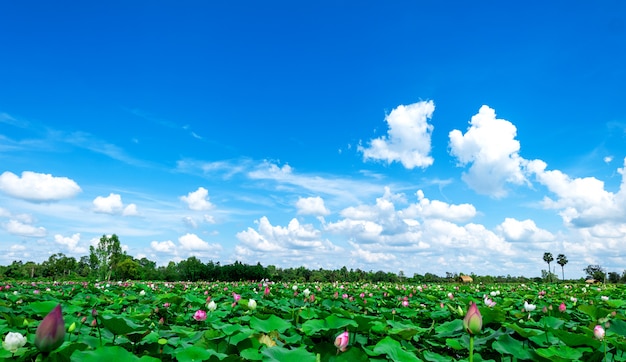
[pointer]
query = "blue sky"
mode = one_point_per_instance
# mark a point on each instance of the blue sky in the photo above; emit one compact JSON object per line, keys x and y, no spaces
{"x":416,"y":136}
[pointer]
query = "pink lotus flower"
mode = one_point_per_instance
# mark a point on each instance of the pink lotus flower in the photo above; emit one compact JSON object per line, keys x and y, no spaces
{"x":598,"y":332}
{"x":51,"y":331}
{"x":562,"y":307}
{"x":342,"y":340}
{"x":200,"y":315}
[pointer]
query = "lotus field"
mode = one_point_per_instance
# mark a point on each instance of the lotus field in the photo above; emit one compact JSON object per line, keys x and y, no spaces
{"x":264,"y":321}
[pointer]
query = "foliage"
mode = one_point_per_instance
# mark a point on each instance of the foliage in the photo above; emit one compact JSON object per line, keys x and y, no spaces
{"x":145,"y":321}
{"x":106,"y":256}
{"x":595,"y":272}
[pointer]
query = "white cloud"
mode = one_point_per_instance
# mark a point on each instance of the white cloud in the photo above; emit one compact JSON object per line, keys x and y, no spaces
{"x":489,"y":145}
{"x":526,"y":230}
{"x":38,"y":187}
{"x":312,"y":206}
{"x":408,"y":139}
{"x":130,"y":210}
{"x":16,"y":227}
{"x":71,"y":243}
{"x":583,"y":202}
{"x":198,"y":200}
{"x":436,"y":209}
{"x":369,"y":256}
{"x":193,"y":242}
{"x":163,"y":246}
{"x":294,"y":239}
{"x":111,"y":204}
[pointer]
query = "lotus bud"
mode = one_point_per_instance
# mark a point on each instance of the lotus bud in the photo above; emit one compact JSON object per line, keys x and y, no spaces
{"x":473,"y":321}
{"x":51,"y":331}
{"x":211,"y":306}
{"x":252,"y":304}
{"x":342,"y":340}
{"x":72,"y":327}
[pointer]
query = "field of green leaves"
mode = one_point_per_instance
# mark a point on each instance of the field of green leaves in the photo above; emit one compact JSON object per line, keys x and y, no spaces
{"x":264,"y":321}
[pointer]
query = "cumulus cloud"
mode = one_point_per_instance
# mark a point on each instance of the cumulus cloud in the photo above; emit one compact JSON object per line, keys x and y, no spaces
{"x":489,"y":145}
{"x":426,"y":208}
{"x":198,"y":200}
{"x":312,"y":206}
{"x":70,"y":242}
{"x":368,"y":256}
{"x":583,"y":202}
{"x":16,"y":227}
{"x":193,"y":242}
{"x":408,"y":139}
{"x":38,"y":187}
{"x":113,"y":204}
{"x":163,"y":246}
{"x":293,"y":239}
{"x":525,"y":230}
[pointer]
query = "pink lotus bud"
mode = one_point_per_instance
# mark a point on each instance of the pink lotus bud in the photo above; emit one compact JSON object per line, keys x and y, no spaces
{"x":267,"y":291}
{"x":473,"y":321}
{"x":51,"y":331}
{"x":236,"y":297}
{"x":598,"y":332}
{"x":562,"y":307}
{"x":342,"y":340}
{"x":200,"y":315}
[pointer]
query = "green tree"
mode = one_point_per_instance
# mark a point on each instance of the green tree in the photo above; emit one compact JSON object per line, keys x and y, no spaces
{"x":548,"y":258}
{"x":191,"y":269}
{"x":147,"y":269}
{"x":128,"y":269}
{"x":595,"y":272}
{"x":562,"y":260}
{"x":107,"y":255}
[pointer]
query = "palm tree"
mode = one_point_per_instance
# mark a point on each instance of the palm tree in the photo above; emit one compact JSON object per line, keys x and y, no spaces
{"x":561,"y":260}
{"x":547,"y":257}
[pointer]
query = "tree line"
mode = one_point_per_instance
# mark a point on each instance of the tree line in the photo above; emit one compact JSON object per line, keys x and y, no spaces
{"x":107,"y":261}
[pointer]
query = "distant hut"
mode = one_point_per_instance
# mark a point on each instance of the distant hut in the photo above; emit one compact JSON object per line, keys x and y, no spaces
{"x":465,"y":279}
{"x":592,"y":281}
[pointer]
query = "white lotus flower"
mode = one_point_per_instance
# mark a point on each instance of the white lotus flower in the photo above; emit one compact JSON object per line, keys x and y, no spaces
{"x":13,"y":341}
